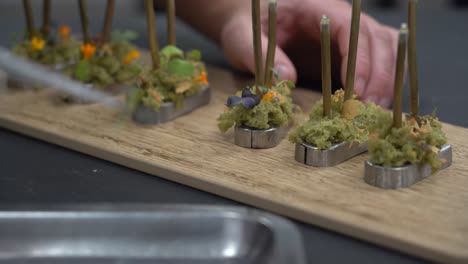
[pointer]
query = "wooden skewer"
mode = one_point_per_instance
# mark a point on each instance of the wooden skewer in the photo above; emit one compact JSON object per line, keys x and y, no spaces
{"x":84,"y":20}
{"x":106,"y":31}
{"x":271,"y":43}
{"x":171,"y":20}
{"x":412,"y":60}
{"x":400,"y":77}
{"x":257,"y":42}
{"x":353,"y":46}
{"x":153,"y":40}
{"x":29,"y":18}
{"x":326,"y":66}
{"x":46,"y":7}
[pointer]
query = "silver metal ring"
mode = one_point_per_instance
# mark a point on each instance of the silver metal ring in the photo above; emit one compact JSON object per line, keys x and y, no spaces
{"x":333,"y":156}
{"x":401,"y":177}
{"x":168,"y":111}
{"x":71,"y":99}
{"x":247,"y":137}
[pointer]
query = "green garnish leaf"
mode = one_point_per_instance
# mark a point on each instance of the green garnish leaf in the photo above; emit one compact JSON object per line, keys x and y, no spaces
{"x":83,"y":71}
{"x":172,"y":52}
{"x":180,"y":67}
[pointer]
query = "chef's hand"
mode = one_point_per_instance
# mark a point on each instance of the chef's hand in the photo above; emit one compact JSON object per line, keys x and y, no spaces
{"x":298,"y":34}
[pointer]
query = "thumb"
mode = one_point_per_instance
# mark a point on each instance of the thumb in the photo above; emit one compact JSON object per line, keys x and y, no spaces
{"x":237,"y":43}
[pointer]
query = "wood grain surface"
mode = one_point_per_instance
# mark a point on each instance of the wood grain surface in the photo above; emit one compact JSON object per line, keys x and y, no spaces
{"x":430,"y":219}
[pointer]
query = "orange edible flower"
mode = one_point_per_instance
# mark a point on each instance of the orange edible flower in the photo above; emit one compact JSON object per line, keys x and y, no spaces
{"x":131,"y":56}
{"x":87,"y":50}
{"x":202,"y":79}
{"x":37,"y":43}
{"x":64,"y":31}
{"x":271,"y":96}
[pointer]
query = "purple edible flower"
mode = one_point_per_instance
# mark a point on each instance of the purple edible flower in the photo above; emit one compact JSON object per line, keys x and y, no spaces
{"x":246,"y":92}
{"x":233,"y":100}
{"x":248,"y":99}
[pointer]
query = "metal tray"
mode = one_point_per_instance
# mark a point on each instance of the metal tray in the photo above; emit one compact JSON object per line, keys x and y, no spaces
{"x":313,"y":156}
{"x":402,"y":177}
{"x":247,"y":137}
{"x":110,"y":90}
{"x":168,"y":111}
{"x":16,"y":83}
{"x":147,"y":234}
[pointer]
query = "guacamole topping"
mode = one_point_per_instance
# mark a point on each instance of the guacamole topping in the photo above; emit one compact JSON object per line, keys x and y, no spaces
{"x":352,"y":121}
{"x":273,"y":108}
{"x":180,"y":75}
{"x":413,"y":143}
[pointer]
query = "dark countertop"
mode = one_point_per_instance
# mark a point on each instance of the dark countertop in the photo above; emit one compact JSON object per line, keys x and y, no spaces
{"x":35,"y":172}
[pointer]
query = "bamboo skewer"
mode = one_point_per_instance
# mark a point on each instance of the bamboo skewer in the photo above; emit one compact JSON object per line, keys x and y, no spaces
{"x":106,"y":31}
{"x":326,"y":66}
{"x":153,"y":41}
{"x":29,"y":18}
{"x":171,"y":20}
{"x":412,"y":60}
{"x":46,"y":18}
{"x":400,"y":77}
{"x":353,"y":46}
{"x":84,"y":20}
{"x":271,"y":44}
{"x":257,"y":42}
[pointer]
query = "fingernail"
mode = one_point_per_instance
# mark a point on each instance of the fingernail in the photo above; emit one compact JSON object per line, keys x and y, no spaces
{"x":385,"y":102}
{"x":283,"y":71}
{"x":360,"y":86}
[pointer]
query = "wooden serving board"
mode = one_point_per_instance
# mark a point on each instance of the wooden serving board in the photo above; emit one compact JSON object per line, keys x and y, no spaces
{"x":430,"y":219}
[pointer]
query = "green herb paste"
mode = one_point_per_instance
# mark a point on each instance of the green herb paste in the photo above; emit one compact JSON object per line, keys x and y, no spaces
{"x":323,"y":132}
{"x":412,"y":144}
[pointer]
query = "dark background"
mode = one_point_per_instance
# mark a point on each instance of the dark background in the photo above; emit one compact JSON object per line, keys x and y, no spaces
{"x":35,"y":172}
